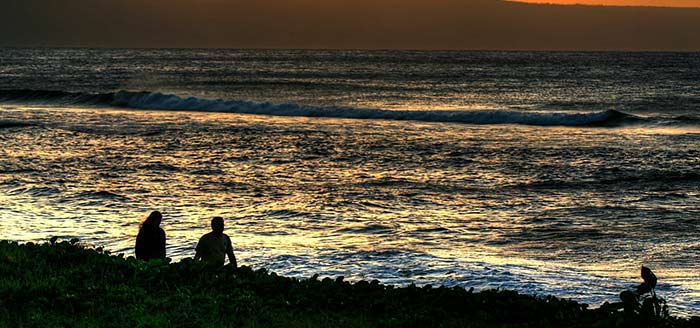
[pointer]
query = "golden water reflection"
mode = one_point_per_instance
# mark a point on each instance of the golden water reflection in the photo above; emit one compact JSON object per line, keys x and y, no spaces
{"x":544,"y":210}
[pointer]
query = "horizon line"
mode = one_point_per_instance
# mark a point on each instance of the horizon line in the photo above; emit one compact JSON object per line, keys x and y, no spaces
{"x":351,"y":49}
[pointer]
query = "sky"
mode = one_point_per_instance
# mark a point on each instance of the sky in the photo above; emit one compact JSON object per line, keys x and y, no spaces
{"x":347,"y":24}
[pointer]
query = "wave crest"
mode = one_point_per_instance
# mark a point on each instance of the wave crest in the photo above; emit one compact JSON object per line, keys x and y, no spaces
{"x":159,"y":101}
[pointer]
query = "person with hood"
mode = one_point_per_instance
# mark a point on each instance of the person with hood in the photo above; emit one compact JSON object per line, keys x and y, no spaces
{"x":150,"y":242}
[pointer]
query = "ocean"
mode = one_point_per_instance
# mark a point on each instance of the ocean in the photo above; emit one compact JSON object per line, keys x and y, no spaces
{"x":549,"y":173}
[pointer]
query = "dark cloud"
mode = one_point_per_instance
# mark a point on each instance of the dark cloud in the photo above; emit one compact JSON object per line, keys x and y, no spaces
{"x":425,"y":24}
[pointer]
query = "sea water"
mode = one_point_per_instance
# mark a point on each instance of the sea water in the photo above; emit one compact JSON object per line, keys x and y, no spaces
{"x":546,"y":173}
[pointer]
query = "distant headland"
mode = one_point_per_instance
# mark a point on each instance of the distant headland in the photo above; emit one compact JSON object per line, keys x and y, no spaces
{"x":362,"y":24}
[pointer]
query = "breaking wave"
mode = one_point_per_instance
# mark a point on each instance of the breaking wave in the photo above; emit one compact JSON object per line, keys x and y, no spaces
{"x":159,"y":101}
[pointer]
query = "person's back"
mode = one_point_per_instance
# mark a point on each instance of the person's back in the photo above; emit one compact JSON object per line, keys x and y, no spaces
{"x":150,"y":241}
{"x":213,"y":247}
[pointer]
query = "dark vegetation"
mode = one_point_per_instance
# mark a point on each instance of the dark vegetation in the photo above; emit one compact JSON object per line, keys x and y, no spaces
{"x":66,"y":285}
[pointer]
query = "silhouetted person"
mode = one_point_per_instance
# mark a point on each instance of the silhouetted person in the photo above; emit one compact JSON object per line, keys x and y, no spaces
{"x":215,"y":246}
{"x":649,"y":282}
{"x":150,"y":242}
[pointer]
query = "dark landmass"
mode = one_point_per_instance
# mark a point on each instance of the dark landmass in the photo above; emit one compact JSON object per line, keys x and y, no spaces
{"x":66,"y":285}
{"x":343,"y":24}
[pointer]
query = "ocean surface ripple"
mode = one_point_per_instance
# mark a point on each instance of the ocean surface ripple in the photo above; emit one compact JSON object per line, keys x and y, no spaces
{"x":567,"y":211}
{"x":546,"y":173}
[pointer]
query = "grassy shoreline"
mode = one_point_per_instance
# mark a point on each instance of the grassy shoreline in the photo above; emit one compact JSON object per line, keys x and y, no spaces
{"x":66,"y":285}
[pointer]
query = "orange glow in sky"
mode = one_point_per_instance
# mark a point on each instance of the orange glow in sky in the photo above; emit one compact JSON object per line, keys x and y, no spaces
{"x":356,"y":24}
{"x":654,"y":3}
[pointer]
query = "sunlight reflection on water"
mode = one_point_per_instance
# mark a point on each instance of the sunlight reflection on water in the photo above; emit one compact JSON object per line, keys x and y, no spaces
{"x":567,"y":211}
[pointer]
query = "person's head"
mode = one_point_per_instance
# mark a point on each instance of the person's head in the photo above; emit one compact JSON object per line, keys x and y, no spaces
{"x":217,"y":224}
{"x":153,"y":219}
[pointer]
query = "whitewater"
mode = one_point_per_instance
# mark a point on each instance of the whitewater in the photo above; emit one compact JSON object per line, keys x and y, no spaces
{"x":159,"y":101}
{"x":546,"y":173}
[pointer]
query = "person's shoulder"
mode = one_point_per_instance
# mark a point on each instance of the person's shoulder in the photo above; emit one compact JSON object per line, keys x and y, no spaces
{"x":206,"y":236}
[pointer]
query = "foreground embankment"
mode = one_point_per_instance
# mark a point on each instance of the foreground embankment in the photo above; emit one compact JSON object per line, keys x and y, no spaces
{"x":67,"y":285}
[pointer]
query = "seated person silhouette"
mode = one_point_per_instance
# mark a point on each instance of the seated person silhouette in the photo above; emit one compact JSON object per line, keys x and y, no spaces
{"x":150,"y":242}
{"x":215,"y":246}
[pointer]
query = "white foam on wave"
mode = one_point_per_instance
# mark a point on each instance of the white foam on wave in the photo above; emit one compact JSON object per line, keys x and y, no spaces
{"x":158,"y":101}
